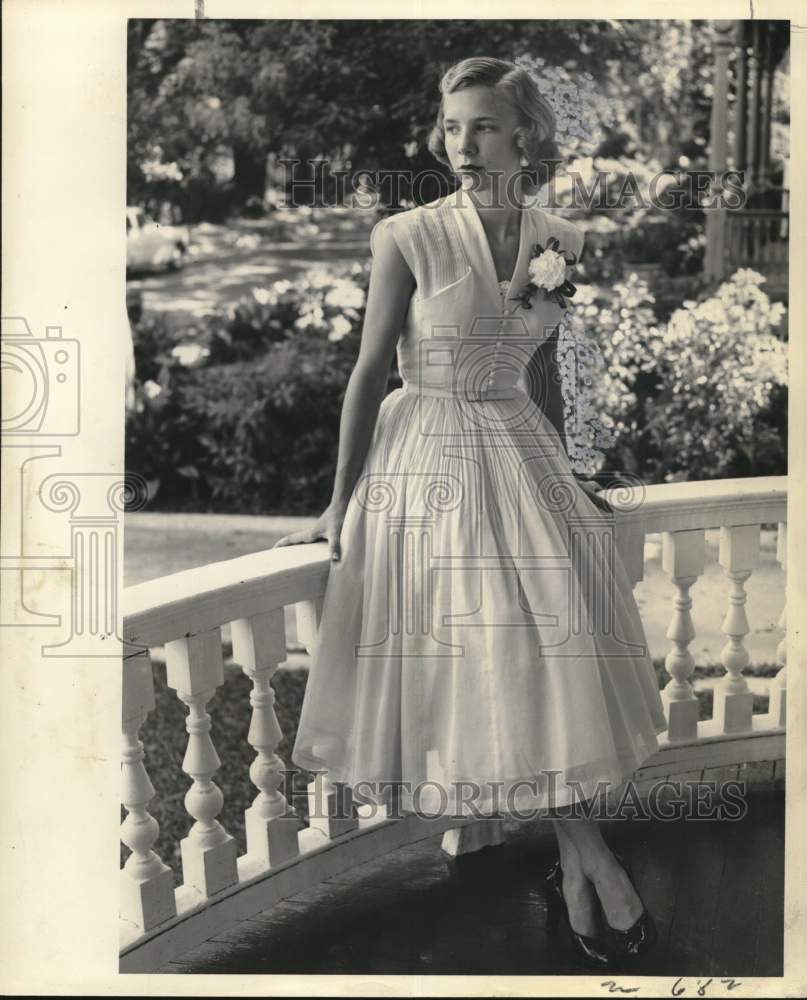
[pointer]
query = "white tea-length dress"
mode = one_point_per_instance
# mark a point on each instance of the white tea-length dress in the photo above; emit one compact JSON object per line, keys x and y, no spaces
{"x":479,"y":641}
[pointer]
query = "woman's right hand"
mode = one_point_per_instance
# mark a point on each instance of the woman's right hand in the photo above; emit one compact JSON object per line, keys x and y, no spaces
{"x":327,"y":526}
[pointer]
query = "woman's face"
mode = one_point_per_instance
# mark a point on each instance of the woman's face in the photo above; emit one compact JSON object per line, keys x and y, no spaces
{"x":479,"y":123}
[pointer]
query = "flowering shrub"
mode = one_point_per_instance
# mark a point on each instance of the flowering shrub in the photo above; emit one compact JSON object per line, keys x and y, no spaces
{"x":321,"y":302}
{"x":241,"y":411}
{"x":722,"y":366}
{"x":700,"y":397}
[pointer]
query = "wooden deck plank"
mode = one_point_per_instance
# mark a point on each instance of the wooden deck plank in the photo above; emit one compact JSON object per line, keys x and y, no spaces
{"x":427,"y":913}
{"x":768,"y":948}
{"x":696,"y":902}
{"x":662,"y":854}
{"x":733,"y":941}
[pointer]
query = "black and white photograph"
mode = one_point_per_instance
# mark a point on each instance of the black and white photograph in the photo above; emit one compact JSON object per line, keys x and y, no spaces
{"x":434,"y":550}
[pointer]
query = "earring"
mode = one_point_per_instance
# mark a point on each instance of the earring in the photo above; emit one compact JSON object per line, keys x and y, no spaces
{"x":524,"y":161}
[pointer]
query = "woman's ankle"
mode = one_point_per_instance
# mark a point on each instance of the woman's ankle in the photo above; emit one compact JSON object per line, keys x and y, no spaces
{"x":571,"y":864}
{"x":599,"y":864}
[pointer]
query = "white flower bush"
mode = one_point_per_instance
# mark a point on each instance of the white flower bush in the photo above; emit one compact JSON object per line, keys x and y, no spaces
{"x":723,"y":361}
{"x":190,"y":354}
{"x":340,"y":328}
{"x":715,"y":365}
{"x":345,"y":294}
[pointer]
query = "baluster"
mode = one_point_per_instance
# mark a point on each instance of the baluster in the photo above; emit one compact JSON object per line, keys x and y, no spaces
{"x":683,"y":559}
{"x":777,"y":710}
{"x":330,"y":805}
{"x":195,"y":669}
{"x":146,"y":883}
{"x":259,"y":645}
{"x":733,"y":704}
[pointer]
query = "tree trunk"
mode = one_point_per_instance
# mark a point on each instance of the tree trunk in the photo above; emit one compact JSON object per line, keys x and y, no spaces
{"x":250,"y":173}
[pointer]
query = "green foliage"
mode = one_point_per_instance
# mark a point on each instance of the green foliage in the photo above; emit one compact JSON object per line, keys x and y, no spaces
{"x":701,"y":397}
{"x":633,"y":214}
{"x":363,"y":93}
{"x":724,"y":371}
{"x":242,"y":413}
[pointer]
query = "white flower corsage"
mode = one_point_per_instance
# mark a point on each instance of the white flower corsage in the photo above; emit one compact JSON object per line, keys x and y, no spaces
{"x":547,"y":270}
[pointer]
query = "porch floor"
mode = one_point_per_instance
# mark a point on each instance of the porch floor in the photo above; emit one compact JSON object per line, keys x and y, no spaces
{"x":715,"y":887}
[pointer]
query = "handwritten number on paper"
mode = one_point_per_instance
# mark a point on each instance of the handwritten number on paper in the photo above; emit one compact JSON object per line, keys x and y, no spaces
{"x":679,"y":987}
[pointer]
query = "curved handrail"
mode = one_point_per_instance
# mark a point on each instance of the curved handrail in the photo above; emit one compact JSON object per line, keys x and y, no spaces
{"x":185,"y":611}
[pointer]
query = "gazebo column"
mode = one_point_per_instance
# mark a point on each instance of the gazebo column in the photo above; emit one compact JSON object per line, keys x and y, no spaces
{"x":741,"y":113}
{"x":755,"y":76}
{"x":716,"y":216}
{"x":767,"y":72}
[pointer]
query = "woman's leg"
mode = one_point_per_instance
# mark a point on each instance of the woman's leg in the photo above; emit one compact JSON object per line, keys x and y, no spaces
{"x":578,"y":891}
{"x":590,"y":859}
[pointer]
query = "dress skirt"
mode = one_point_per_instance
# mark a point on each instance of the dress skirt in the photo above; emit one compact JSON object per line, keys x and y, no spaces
{"x":479,"y":647}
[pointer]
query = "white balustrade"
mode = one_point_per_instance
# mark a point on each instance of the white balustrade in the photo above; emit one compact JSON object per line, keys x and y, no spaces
{"x":146,"y":884}
{"x":185,"y":613}
{"x":733,"y":702}
{"x":777,"y":708}
{"x":195,"y":669}
{"x":331,"y":808}
{"x":259,"y":646}
{"x":683,"y":560}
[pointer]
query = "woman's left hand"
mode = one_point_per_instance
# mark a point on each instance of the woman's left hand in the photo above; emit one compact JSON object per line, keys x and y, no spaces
{"x":592,"y":489}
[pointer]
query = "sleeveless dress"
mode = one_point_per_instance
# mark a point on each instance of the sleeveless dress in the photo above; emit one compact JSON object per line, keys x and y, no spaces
{"x":479,"y":643}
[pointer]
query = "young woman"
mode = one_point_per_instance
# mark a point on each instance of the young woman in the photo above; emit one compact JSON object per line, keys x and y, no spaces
{"x":479,"y":639}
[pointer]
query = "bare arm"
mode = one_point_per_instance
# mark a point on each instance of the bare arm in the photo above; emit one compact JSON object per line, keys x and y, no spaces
{"x":391,"y":287}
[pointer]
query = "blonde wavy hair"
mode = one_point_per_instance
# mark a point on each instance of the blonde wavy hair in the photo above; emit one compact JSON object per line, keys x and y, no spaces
{"x":534,"y":137}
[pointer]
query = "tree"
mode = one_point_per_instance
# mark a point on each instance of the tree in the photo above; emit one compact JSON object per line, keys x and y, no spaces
{"x":359,"y":93}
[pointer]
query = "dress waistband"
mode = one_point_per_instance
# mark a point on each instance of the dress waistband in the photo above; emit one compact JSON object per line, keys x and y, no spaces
{"x":472,"y":395}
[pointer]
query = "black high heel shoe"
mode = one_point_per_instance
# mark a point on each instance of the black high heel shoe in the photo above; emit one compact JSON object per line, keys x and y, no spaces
{"x":591,"y":951}
{"x":638,"y":939}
